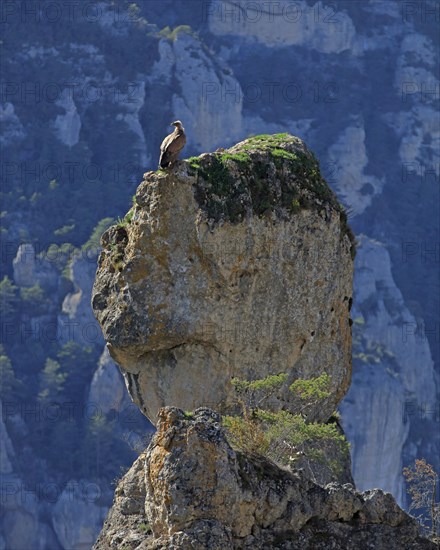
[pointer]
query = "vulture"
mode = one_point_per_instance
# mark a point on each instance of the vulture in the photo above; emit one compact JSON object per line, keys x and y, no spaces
{"x":172,"y":145}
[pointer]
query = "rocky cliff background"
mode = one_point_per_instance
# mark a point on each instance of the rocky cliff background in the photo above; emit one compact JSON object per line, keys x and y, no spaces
{"x":87,"y":94}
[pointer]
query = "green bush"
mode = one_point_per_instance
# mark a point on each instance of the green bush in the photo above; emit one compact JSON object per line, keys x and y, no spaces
{"x":283,"y":436}
{"x":8,"y":296}
{"x":34,"y":300}
{"x":52,"y":381}
{"x":94,"y":241}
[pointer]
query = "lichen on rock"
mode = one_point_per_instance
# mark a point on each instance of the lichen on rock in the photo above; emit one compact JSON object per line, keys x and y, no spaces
{"x":232,"y":264}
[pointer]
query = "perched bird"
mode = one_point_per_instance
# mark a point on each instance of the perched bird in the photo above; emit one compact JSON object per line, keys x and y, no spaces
{"x":172,"y":145}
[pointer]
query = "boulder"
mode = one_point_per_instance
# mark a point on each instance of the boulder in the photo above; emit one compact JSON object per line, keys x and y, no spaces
{"x":237,"y":263}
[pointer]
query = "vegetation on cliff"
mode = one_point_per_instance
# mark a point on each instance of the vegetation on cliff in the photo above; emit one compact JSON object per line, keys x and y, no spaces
{"x":287,"y":437}
{"x":264,"y":174}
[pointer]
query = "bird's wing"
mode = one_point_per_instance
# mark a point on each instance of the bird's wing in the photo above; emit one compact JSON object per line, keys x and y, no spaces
{"x":166,"y":142}
{"x":165,"y":158}
{"x":176,"y":144}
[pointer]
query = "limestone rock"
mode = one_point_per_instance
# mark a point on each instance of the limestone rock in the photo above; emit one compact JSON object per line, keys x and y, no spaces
{"x":200,"y":102}
{"x":200,"y":493}
{"x":348,"y":156}
{"x":20,"y":507}
{"x":77,"y":516}
{"x":68,"y":125}
{"x":76,"y":321}
{"x":107,"y":389}
{"x":386,"y":347}
{"x":29,"y":269}
{"x":411,"y":127}
{"x":127,"y":523}
{"x":210,"y":119}
{"x":282,"y":24}
{"x":237,"y":263}
{"x":24,"y":265}
{"x":108,"y":396}
{"x":134,"y":103}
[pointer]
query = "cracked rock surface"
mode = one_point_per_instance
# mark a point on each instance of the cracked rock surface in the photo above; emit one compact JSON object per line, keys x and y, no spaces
{"x":191,"y":490}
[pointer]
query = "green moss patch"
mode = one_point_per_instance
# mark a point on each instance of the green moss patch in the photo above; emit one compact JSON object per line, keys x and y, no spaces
{"x":219,"y":193}
{"x":269,"y":139}
{"x":242,"y":158}
{"x":194,"y":162}
{"x":263,"y":174}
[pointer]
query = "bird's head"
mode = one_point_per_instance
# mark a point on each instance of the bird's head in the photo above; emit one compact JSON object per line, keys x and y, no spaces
{"x":177,"y":124}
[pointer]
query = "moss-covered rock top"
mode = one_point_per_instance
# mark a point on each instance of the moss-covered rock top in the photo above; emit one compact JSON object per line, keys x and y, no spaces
{"x":263,"y":175}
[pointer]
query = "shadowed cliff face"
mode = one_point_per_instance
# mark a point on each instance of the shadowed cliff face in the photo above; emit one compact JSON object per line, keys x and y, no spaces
{"x":191,"y":490}
{"x":236,"y":263}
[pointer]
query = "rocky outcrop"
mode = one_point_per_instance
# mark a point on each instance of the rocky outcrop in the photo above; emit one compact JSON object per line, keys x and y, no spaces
{"x":233,"y":264}
{"x":348,"y":157}
{"x":200,"y":493}
{"x":76,"y":321}
{"x":108,"y":397}
{"x":30,"y":270}
{"x":127,"y":523}
{"x":382,"y":83}
{"x":107,"y":390}
{"x":68,"y":125}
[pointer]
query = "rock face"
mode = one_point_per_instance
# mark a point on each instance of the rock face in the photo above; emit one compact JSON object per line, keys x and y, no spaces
{"x":76,"y":319}
{"x":375,"y":96}
{"x":20,"y":524}
{"x":199,"y":493}
{"x":107,"y":390}
{"x":273,"y":24}
{"x":209,"y":119}
{"x":76,"y":515}
{"x":24,"y":265}
{"x":348,"y":156}
{"x":386,"y":346}
{"x":30,"y":270}
{"x":127,"y":522}
{"x":232,"y":264}
{"x":68,"y":125}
